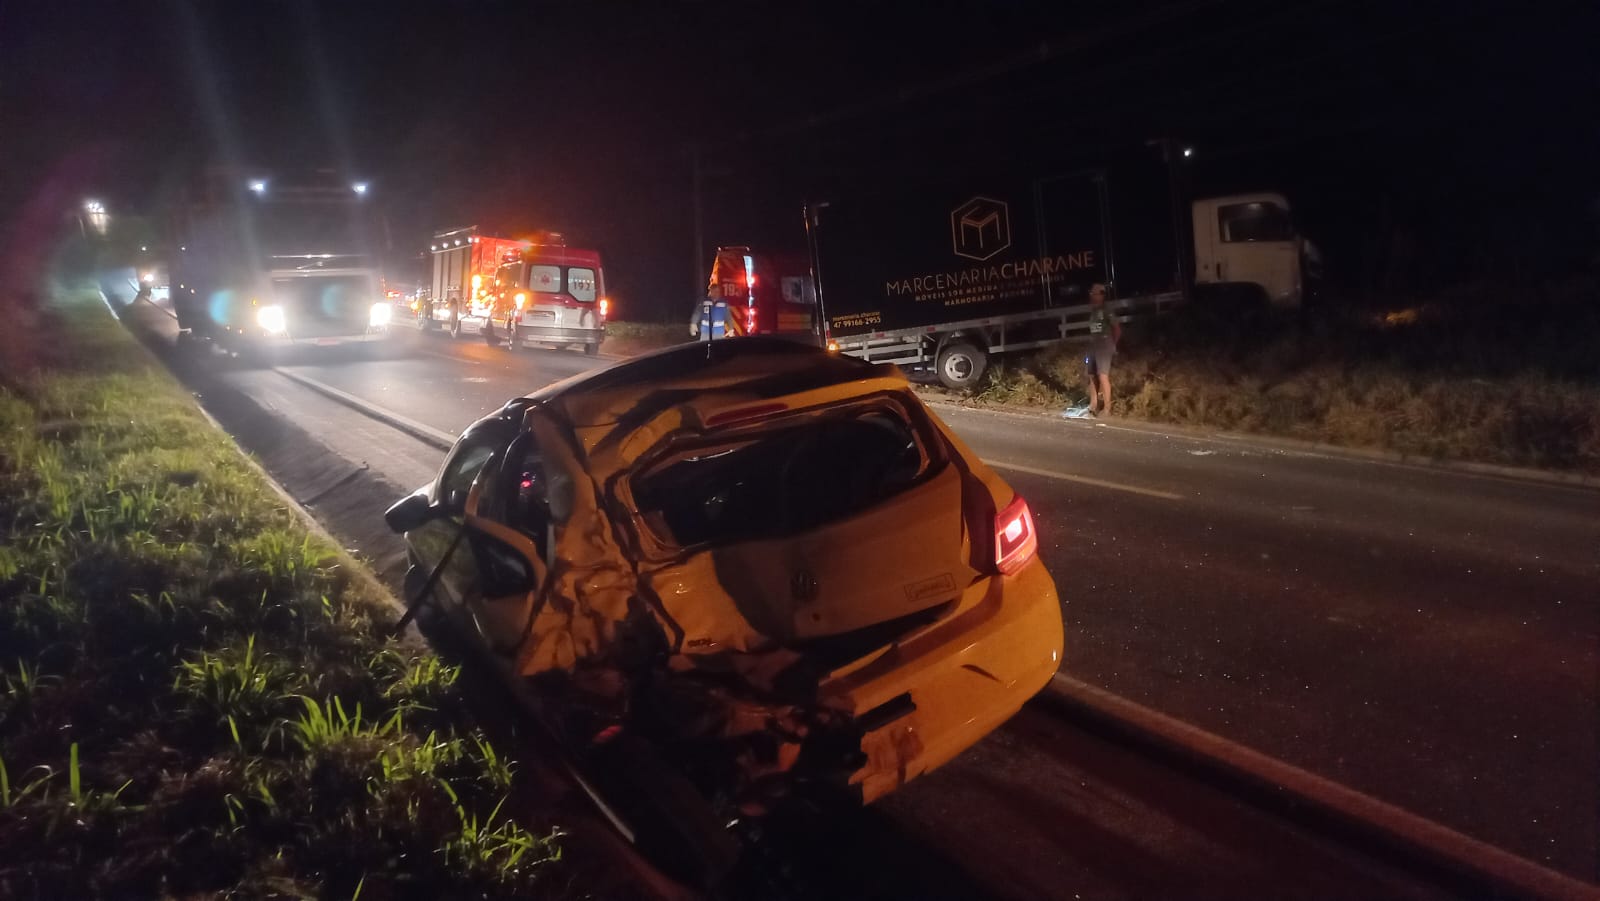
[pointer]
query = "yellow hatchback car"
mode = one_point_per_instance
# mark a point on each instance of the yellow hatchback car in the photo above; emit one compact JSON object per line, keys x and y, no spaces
{"x":774,"y":566}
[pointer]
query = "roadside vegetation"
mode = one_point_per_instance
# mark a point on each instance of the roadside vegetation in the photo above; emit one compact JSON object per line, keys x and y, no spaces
{"x":196,"y":695}
{"x":1502,"y":376}
{"x":628,"y":338}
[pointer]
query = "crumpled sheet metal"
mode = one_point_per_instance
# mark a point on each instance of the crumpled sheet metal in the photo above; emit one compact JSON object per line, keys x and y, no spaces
{"x":596,"y":594}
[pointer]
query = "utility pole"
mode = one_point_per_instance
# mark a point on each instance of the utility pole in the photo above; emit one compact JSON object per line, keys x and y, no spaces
{"x":1174,"y":157}
{"x":699,"y":223}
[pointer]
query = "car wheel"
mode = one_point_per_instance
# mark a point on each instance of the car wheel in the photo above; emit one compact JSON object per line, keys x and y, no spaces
{"x":960,"y":365}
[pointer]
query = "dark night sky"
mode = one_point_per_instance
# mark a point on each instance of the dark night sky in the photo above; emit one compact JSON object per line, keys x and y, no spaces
{"x":1473,"y":124}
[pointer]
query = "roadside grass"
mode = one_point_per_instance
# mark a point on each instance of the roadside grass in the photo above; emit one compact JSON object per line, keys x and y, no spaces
{"x":1461,"y":379}
{"x":196,"y":694}
{"x":640,"y":337}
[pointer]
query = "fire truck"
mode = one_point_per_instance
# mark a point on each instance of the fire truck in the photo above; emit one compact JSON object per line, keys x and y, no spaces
{"x":536,"y":292}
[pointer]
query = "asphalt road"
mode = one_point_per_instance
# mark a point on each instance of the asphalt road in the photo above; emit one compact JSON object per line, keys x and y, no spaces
{"x":1424,"y":636}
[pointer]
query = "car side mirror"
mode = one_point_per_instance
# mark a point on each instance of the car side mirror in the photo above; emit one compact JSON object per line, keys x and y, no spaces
{"x":411,"y":512}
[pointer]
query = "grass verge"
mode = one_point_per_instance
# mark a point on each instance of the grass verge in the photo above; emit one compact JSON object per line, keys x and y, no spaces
{"x":196,"y":695}
{"x":1448,"y":383}
{"x":629,"y":338}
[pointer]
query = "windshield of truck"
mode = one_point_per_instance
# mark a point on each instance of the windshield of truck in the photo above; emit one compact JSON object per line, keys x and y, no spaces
{"x":312,"y":228}
{"x":330,"y":296}
{"x":781,"y":481}
{"x":1255,"y":221}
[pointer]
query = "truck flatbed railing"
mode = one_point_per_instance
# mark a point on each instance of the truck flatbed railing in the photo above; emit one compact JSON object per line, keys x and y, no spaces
{"x":994,"y":334}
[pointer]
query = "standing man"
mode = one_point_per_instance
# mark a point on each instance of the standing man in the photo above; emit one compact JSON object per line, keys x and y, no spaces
{"x":1104,"y":333}
{"x":714,"y":319}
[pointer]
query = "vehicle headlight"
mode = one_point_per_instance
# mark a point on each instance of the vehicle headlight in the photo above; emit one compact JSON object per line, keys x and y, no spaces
{"x":380,"y":315}
{"x":271,"y":319}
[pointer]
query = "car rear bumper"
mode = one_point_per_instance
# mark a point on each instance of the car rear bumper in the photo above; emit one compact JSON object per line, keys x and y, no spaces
{"x":549,"y":334}
{"x":937,"y":692}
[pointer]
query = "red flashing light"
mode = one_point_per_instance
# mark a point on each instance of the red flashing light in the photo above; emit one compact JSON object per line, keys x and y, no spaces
{"x":745,"y":413}
{"x":1015,"y":541}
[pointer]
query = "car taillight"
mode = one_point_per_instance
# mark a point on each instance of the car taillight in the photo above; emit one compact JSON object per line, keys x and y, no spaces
{"x":1015,"y":541}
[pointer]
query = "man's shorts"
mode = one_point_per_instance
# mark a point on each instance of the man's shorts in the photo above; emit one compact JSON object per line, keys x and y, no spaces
{"x":1097,"y":359}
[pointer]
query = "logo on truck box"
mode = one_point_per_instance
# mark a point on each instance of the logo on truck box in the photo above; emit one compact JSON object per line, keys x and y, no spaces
{"x":980,"y":228}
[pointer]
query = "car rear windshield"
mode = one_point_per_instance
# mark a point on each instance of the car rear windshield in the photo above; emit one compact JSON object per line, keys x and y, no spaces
{"x":783,"y":479}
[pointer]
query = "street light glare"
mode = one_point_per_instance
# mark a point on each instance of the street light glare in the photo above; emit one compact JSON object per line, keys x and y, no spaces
{"x":258,"y":186}
{"x":359,"y":187}
{"x":1188,"y":152}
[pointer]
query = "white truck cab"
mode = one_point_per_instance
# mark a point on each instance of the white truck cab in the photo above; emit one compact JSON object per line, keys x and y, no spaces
{"x":1245,"y":240}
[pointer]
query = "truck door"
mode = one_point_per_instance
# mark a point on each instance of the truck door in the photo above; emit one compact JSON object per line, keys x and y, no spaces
{"x":1248,"y":240}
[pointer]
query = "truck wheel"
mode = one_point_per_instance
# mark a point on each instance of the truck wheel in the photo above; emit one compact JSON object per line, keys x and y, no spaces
{"x":591,"y":349}
{"x":960,"y":365}
{"x":454,"y":328}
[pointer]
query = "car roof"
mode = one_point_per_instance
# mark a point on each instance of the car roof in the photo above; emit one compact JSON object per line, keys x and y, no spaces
{"x":753,"y":367}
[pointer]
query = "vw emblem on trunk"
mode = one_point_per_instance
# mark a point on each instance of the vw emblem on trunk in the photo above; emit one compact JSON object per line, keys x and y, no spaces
{"x":803,"y":585}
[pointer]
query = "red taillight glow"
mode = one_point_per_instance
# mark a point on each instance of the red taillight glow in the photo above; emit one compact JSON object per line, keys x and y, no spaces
{"x":744,"y":413}
{"x":1015,"y":541}
{"x":605,"y":307}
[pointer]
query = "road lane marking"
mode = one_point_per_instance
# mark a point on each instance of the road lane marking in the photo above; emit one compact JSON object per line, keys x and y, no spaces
{"x":451,"y":357}
{"x":439,"y":438}
{"x":1285,"y":447}
{"x":1085,"y":480}
{"x":1421,"y":841}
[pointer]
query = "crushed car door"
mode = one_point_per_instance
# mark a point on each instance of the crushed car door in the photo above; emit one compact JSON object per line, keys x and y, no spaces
{"x":433,"y":540}
{"x":509,"y":530}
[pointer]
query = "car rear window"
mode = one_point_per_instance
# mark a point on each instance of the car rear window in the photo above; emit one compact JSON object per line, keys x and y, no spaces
{"x":780,"y":480}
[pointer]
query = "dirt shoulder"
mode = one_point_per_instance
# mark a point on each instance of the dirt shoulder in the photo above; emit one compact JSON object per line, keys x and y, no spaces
{"x":199,"y":694}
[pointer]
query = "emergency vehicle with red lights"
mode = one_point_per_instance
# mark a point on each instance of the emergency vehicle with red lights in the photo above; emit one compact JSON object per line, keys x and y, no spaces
{"x":766,"y":293}
{"x":534,"y":292}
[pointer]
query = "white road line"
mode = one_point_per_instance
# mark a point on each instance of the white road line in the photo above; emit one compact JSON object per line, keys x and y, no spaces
{"x":1416,"y":837}
{"x":437,"y":437}
{"x":1085,"y":480}
{"x":444,"y":356}
{"x":441,"y":437}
